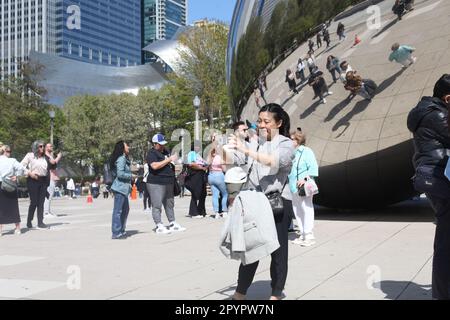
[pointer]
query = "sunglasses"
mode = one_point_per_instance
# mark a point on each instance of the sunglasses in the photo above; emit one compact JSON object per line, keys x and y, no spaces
{"x":41,"y":146}
{"x":299,"y":129}
{"x":7,"y":151}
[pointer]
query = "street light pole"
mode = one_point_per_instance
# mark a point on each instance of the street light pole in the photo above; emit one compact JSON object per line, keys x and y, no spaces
{"x":197,"y":107}
{"x":52,"y":117}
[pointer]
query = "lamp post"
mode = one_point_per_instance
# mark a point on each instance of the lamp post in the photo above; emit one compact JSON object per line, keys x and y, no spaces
{"x":197,"y":107}
{"x":51,"y":113}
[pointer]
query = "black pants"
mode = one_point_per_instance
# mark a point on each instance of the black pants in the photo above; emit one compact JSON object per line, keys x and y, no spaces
{"x":197,"y":186}
{"x":441,"y":257}
{"x":279,"y":263}
{"x":37,"y":190}
{"x":147,"y":200}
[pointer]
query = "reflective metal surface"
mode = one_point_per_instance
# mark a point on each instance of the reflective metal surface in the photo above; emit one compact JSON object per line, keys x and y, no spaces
{"x":64,"y":77}
{"x":363,"y":147}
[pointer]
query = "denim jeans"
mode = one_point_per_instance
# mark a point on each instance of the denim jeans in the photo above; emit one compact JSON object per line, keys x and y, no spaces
{"x":217,"y":182}
{"x":120,"y":214}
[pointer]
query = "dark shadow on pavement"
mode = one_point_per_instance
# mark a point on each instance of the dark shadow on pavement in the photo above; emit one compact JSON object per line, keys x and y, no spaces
{"x":336,"y":109}
{"x":389,"y":81}
{"x":359,"y":107}
{"x":385,"y":28}
{"x":394,"y":290}
{"x":131,"y":233}
{"x":310,"y":110}
{"x":406,"y":211}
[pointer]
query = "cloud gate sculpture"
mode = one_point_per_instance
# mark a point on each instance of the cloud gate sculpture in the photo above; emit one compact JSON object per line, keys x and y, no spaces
{"x":363,"y":147}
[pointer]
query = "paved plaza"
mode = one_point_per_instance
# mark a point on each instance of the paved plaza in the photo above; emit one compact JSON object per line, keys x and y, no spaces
{"x":384,"y":254}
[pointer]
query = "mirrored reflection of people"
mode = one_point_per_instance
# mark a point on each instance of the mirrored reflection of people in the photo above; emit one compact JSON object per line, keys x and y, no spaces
{"x":333,"y":67}
{"x":300,"y":74}
{"x":196,"y":180}
{"x":399,"y":8}
{"x":37,"y":182}
{"x":290,"y":79}
{"x":304,"y":167}
{"x":71,"y":188}
{"x":319,"y":40}
{"x":341,"y":31}
{"x":52,"y":165}
{"x":428,"y":122}
{"x":120,"y":166}
{"x":319,"y":85}
{"x":311,"y":62}
{"x":402,"y":54}
{"x":270,"y":158}
{"x":326,"y":37}
{"x":357,"y":86}
{"x":10,"y":169}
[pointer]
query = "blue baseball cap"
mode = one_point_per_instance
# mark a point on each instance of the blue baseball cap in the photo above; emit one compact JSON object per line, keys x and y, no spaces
{"x":159,"y":139}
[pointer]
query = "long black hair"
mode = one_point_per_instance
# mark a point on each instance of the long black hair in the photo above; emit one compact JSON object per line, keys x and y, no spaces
{"x":279,"y":115}
{"x":119,"y":150}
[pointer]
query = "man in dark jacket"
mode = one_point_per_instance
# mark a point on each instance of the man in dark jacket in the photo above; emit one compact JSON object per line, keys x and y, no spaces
{"x":428,"y":122}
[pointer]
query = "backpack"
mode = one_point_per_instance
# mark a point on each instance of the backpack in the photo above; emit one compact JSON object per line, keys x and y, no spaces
{"x":107,"y":175}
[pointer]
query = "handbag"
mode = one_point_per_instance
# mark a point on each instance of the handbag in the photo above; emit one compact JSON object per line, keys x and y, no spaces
{"x":274,"y":197}
{"x":176,"y":188}
{"x":431,"y":180}
{"x":8,"y":185}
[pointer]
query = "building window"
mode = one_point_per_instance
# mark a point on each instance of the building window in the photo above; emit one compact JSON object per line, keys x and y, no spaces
{"x":90,"y":54}
{"x":118,"y":61}
{"x":80,"y":51}
{"x":109,"y":58}
{"x":69,"y":47}
{"x":126,"y":62}
{"x":100,"y":56}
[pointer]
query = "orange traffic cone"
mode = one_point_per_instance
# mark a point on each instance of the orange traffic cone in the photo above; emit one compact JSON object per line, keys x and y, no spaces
{"x":357,"y":40}
{"x":134,"y":192}
{"x":89,"y":198}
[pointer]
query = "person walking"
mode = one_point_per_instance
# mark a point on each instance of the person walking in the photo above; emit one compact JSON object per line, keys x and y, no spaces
{"x":216,"y":180}
{"x":290,"y":79}
{"x":333,"y":67}
{"x":160,"y":184}
{"x":71,"y":188}
{"x":37,"y":182}
{"x":326,"y":37}
{"x":402,"y":54}
{"x":269,"y":163}
{"x":10,"y":170}
{"x":301,"y":70}
{"x":319,"y":40}
{"x":311,"y":46}
{"x":357,"y":86}
{"x":399,"y":8}
{"x":319,"y":85}
{"x":311,"y":62}
{"x":104,"y":190}
{"x":304,"y":167}
{"x":428,"y":122}
{"x":52,"y":165}
{"x":341,"y":31}
{"x":120,"y":166}
{"x":195,"y":182}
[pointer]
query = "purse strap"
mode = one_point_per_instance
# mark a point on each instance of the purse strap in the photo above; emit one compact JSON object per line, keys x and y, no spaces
{"x":298,"y":164}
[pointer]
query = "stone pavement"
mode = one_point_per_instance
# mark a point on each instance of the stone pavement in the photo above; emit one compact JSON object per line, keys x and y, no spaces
{"x":384,"y":254}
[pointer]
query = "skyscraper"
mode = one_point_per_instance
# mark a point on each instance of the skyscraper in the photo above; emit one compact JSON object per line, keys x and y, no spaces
{"x":161,"y":20}
{"x":104,"y":32}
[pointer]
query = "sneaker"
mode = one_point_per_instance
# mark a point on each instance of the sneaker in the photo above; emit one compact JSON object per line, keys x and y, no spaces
{"x":42,"y":226}
{"x":18,"y":231}
{"x":298,"y":241}
{"x":329,"y":93}
{"x":323,"y":101}
{"x":175,"y":227}
{"x":120,"y":236}
{"x":198,"y":217}
{"x":161,"y":229}
{"x":50,"y":215}
{"x":308,"y":242}
{"x":414,"y":59}
{"x":217,"y":216}
{"x":29,"y":225}
{"x":224,"y":214}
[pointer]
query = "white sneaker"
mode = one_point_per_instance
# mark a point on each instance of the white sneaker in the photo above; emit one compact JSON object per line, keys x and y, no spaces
{"x":308,"y":242}
{"x":217,"y":216}
{"x":18,"y":231}
{"x":298,"y":241}
{"x":324,"y":101}
{"x":50,"y":215}
{"x":309,"y":236}
{"x":198,"y":217}
{"x":175,"y":227}
{"x":414,"y":59}
{"x":224,"y":214}
{"x":161,"y":229}
{"x":329,"y":93}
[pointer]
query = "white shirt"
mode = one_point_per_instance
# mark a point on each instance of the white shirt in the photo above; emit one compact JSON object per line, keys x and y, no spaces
{"x":36,"y":165}
{"x":344,"y":73}
{"x":70,"y":185}
{"x":300,"y":66}
{"x":10,"y":167}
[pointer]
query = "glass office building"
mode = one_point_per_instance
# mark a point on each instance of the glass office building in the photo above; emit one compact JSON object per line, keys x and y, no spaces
{"x":161,"y":20}
{"x":106,"y":32}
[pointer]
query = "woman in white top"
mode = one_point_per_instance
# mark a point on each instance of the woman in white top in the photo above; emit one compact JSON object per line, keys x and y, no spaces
{"x":37,"y":182}
{"x":10,"y":168}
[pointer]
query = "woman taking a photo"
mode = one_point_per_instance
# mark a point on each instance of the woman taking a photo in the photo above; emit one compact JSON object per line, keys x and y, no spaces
{"x":216,"y":180}
{"x":121,"y":187}
{"x":270,"y":158}
{"x":10,"y":169}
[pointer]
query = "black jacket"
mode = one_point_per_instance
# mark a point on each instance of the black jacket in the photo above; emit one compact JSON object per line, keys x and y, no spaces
{"x":428,"y":123}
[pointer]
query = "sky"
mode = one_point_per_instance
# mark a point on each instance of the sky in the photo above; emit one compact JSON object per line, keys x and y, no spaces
{"x":212,"y":9}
